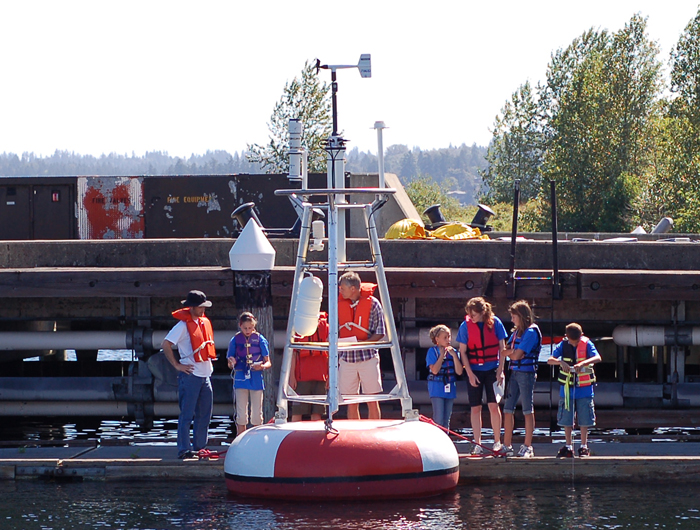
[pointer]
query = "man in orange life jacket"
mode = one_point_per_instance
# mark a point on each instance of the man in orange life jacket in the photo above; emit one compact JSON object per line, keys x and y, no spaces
{"x":575,"y":356}
{"x":194,"y":339}
{"x":360,"y":315}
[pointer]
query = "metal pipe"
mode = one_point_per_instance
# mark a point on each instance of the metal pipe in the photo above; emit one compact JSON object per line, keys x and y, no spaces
{"x":334,"y":396}
{"x":119,"y":340}
{"x":513,"y":236}
{"x":556,"y":288}
{"x":89,"y":340}
{"x":403,"y":393}
{"x":635,"y":336}
{"x":63,"y":340}
{"x":620,"y":360}
{"x":638,"y":336}
{"x":379,"y":125}
{"x":334,"y":101}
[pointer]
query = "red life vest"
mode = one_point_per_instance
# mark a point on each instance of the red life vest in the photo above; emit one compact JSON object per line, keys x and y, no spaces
{"x":587,"y":376}
{"x":482,"y":343}
{"x":353,"y":317}
{"x":313,"y":365}
{"x":201,"y":335}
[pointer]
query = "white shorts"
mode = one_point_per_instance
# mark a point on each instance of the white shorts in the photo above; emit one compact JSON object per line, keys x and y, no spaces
{"x":365,"y":375}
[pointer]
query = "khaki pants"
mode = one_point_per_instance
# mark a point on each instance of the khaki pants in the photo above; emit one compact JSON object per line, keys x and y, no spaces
{"x":256,"y":401}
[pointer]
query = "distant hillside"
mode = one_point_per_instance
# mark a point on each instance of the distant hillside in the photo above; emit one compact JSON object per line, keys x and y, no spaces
{"x":454,"y":168}
{"x":153,"y":163}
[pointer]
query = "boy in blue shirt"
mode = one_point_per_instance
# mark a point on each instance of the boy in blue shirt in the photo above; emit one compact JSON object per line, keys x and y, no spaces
{"x":575,"y":356}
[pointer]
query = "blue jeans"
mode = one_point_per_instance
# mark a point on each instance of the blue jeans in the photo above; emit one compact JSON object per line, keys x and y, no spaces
{"x":196,"y":403}
{"x":442,"y":410}
{"x":520,"y":383}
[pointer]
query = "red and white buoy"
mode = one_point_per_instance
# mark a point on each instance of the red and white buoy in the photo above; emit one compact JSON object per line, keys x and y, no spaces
{"x":345,"y":459}
{"x":357,"y":460}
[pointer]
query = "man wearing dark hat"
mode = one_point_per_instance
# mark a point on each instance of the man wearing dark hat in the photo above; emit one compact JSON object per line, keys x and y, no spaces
{"x":194,"y":339}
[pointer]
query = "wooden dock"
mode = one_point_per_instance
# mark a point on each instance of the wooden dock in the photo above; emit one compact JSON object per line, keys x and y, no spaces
{"x":610,"y":462}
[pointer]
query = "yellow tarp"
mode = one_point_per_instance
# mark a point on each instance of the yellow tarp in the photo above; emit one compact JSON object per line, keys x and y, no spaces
{"x":406,"y":229}
{"x":412,"y":229}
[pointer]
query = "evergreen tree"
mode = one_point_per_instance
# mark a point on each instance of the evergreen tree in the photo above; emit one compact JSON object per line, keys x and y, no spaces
{"x":590,"y":128}
{"x":517,"y":149}
{"x":306,"y":99}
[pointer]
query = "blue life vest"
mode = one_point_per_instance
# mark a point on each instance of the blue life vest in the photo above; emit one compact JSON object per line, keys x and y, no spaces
{"x":531,"y":358}
{"x":447,"y":370}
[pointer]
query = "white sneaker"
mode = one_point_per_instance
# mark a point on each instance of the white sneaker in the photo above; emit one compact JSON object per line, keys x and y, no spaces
{"x":497,"y":447}
{"x":526,"y":452}
{"x":477,"y":450}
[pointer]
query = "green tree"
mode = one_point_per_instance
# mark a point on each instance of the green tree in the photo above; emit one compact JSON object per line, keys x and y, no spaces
{"x":516,"y":150}
{"x":673,"y":188}
{"x":425,"y":192}
{"x":601,"y":95}
{"x":306,"y":99}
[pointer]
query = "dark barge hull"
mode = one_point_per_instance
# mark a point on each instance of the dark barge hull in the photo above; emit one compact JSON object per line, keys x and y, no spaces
{"x":133,"y":285}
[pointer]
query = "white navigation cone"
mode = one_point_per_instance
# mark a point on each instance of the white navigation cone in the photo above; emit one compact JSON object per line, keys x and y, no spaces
{"x":252,"y":251}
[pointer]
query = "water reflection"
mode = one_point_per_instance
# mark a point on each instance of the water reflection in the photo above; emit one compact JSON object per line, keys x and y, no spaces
{"x":33,"y":429}
{"x":36,"y":505}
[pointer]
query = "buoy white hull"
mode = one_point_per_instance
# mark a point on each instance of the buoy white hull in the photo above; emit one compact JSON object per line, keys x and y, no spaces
{"x":363,"y":459}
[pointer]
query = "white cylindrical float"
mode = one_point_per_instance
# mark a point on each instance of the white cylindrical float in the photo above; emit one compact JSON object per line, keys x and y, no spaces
{"x":369,"y":459}
{"x":296,"y":150}
{"x":308,"y":306}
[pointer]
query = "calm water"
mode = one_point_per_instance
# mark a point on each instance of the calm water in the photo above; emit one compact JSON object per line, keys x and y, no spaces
{"x":35,"y":505}
{"x":29,"y":505}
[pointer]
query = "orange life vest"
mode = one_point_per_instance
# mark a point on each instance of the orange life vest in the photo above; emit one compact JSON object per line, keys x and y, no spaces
{"x":201,"y":335}
{"x":587,"y":376}
{"x":482,"y":343}
{"x":313,"y":365}
{"x":353,"y":317}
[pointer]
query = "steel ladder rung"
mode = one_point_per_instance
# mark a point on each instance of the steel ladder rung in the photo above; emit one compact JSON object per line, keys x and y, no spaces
{"x":360,"y":265}
{"x":350,"y":265}
{"x":342,"y":346}
{"x":347,"y":399}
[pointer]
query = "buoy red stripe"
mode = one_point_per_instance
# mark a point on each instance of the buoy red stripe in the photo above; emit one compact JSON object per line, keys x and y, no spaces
{"x":344,"y":456}
{"x":432,"y":483}
{"x":357,"y":478}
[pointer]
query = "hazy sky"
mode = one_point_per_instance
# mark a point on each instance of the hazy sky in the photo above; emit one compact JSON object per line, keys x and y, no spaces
{"x":105,"y":76}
